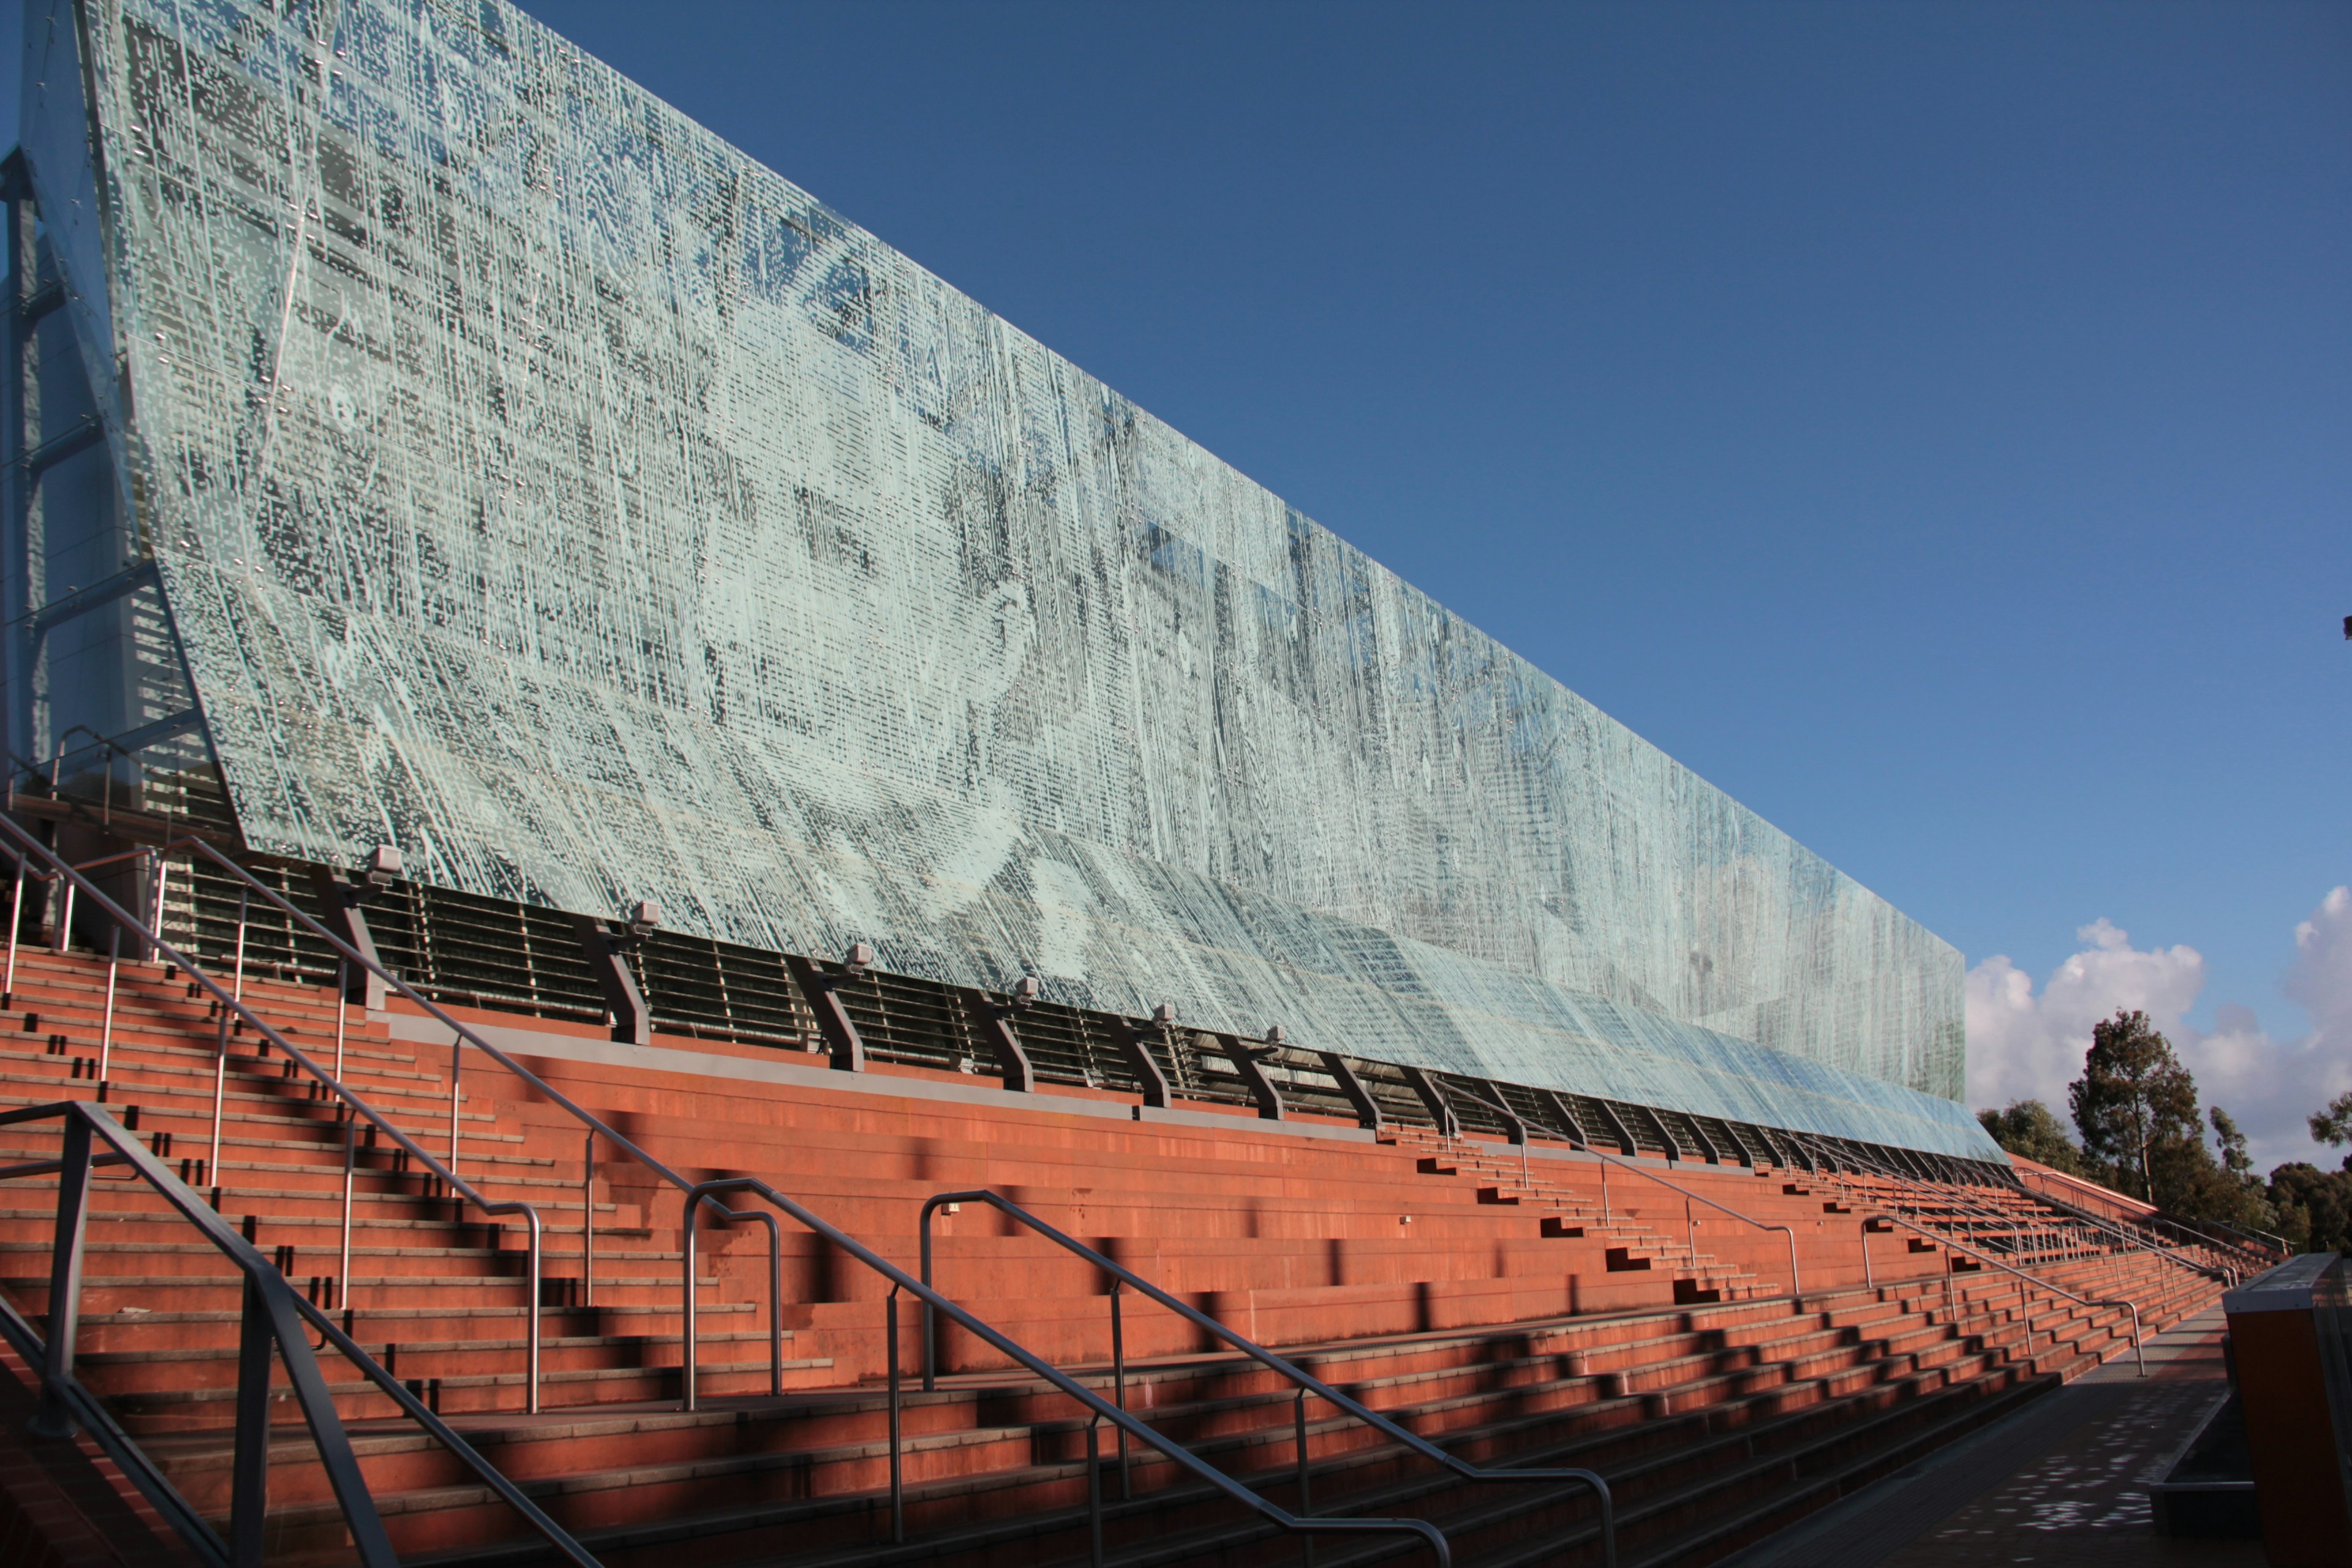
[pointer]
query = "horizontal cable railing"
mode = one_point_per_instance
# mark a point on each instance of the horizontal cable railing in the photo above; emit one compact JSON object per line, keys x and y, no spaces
{"x":1306,"y":1382}
{"x":271,"y":1321}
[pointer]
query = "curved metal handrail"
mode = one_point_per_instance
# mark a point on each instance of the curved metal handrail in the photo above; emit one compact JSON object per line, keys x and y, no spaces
{"x":1183,"y":1458}
{"x":1298,"y":1376}
{"x":271,"y":1313}
{"x":1584,"y":1145}
{"x":1871,"y":1281}
{"x":359,"y":1107}
{"x":595,"y":1124}
{"x":2153,"y":1220}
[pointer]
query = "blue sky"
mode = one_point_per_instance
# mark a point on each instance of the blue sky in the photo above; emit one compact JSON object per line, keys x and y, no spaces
{"x":1932,"y":424}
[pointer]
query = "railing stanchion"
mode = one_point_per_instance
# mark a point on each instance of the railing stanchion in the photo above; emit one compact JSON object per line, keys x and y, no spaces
{"x":351,"y":1165}
{"x":538,"y":1290}
{"x":342,"y":1012}
{"x":588,"y":1222}
{"x":16,"y":923}
{"x":244,"y":901}
{"x":1119,"y":1380}
{"x":686,"y":1313}
{"x":106,"y":1029}
{"x":1305,"y":1502}
{"x":54,"y":1418}
{"x":775,"y":1307}
{"x":1094,"y":1493}
{"x":456,"y":1053}
{"x":898,"y":1474}
{"x":249,"y":1471}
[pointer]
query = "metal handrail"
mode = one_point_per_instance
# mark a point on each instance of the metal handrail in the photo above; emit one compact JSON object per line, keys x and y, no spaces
{"x":356,"y":1105}
{"x":1951,"y":1196}
{"x":1307,"y":1382}
{"x":1103,"y":1409}
{"x":2157,"y":1217}
{"x":1872,"y":1283}
{"x":596,"y":1125}
{"x":271,"y":1319}
{"x":1584,"y":1145}
{"x":2131,"y":1242}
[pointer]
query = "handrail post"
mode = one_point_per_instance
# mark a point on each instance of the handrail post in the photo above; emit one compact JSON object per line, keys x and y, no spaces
{"x":686,"y":1326}
{"x":350,"y":1163}
{"x":342,"y":1012}
{"x":106,"y":1030}
{"x":53,"y":1419}
{"x":775,"y":1306}
{"x":898,"y":1474}
{"x":456,"y":1051}
{"x":1094,"y":1493}
{"x":1118,"y":1379}
{"x":588,"y":1222}
{"x":15,"y":922}
{"x":531,"y":1218}
{"x":1306,"y":1504}
{"x":249,"y":1475}
{"x":930,"y":1327}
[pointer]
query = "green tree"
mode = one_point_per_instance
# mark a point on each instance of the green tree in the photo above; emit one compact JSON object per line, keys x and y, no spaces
{"x":2333,"y":1126}
{"x":2135,"y":1107}
{"x":2313,"y":1208}
{"x":2028,"y":1127}
{"x":2234,"y":1158}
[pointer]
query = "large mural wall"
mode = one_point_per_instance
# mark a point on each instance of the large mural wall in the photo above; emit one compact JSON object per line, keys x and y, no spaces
{"x":541,"y":485}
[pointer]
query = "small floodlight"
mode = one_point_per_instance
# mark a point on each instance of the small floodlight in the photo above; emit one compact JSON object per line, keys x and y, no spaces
{"x":1274,"y":1035}
{"x":1026,"y":990}
{"x":1164,"y":1014}
{"x":644,"y":919}
{"x":859,"y":958}
{"x":382,"y":865}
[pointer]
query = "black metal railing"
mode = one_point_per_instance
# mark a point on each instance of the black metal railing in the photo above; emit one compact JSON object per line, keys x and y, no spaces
{"x":274,"y":1324}
{"x":1124,"y":1278}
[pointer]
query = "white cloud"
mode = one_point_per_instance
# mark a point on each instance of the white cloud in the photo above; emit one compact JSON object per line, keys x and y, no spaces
{"x":2024,"y":1046}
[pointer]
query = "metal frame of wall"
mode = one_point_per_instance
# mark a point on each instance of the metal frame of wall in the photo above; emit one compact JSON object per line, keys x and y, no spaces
{"x":458,"y":948}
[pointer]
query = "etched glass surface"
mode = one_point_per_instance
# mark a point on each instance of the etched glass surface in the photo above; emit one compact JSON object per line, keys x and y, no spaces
{"x":541,"y":485}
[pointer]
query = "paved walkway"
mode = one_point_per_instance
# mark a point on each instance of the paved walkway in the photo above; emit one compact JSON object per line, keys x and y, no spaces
{"x":2060,"y":1482}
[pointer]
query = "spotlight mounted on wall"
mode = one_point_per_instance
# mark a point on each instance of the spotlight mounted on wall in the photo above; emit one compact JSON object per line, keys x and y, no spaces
{"x":1025,"y":991}
{"x":858,"y":959}
{"x":1164,"y":1015}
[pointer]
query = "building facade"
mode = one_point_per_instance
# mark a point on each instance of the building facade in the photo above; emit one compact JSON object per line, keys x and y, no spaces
{"x":435,"y":440}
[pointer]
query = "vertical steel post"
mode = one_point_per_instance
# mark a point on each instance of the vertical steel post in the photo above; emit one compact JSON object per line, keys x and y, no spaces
{"x":15,"y":922}
{"x":220,"y":1060}
{"x":106,"y":1029}
{"x":588,"y":1223}
{"x":351,"y":1161}
{"x":457,"y":1047}
{"x":63,"y":939}
{"x":1094,"y":1492}
{"x":1119,"y":1378}
{"x":687,"y":1327}
{"x":52,"y":1419}
{"x":343,"y":1011}
{"x":1305,"y":1502}
{"x":249,"y":1473}
{"x":775,"y":1308}
{"x":244,"y":901}
{"x":897,"y":1475}
{"x":161,"y":887}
